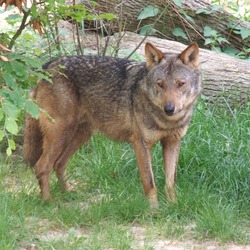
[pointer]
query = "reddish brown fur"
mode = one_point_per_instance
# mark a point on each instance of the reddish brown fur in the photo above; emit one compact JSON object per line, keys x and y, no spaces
{"x":128,"y":101}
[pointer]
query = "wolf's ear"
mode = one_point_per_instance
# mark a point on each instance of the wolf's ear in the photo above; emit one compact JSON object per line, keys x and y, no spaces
{"x":153,"y":55}
{"x":190,"y":56}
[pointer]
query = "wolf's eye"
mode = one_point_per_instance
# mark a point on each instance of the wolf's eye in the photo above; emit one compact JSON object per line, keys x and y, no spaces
{"x":160,"y":83}
{"x":180,"y":84}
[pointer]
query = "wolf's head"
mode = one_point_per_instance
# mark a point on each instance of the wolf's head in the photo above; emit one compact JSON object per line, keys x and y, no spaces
{"x":173,"y":81}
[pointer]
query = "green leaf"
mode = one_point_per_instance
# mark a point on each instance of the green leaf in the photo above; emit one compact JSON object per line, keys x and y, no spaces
{"x":60,"y":1}
{"x":32,"y":109}
{"x":44,"y":76}
{"x":204,"y":11}
{"x":28,"y":60}
{"x":215,"y":48}
{"x":222,"y":40}
{"x":208,"y":31}
{"x":230,"y":51}
{"x":13,"y":19}
{"x":12,"y":144}
{"x":1,"y":135}
{"x":179,"y":33}
{"x":231,"y":25}
{"x":7,"y":66}
{"x":51,"y":4}
{"x":148,"y":11}
{"x":63,"y":9}
{"x":17,"y":99}
{"x":178,"y":2}
{"x":30,"y":38}
{"x":244,"y":33}
{"x":33,"y":10}
{"x":11,"y":125}
{"x":189,"y":18}
{"x":147,"y":30}
{"x":1,"y":114}
{"x":233,"y":6}
{"x":19,"y":68}
{"x":92,"y":17}
{"x":79,"y":16}
{"x":208,"y":41}
{"x":9,"y":79}
{"x":108,"y":16}
{"x":10,"y":110}
{"x":216,"y":7}
{"x":8,"y":151}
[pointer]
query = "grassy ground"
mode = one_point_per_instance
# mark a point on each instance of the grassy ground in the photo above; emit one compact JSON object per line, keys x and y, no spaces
{"x":107,"y":210}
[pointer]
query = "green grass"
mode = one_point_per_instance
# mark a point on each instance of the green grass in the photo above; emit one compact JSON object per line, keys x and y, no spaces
{"x":212,"y":189}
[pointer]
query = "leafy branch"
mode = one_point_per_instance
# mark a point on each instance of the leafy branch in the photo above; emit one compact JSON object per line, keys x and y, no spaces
{"x":21,"y":27}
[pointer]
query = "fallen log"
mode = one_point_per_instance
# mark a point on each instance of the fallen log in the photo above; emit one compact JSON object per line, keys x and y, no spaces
{"x":191,"y":16}
{"x":224,"y":77}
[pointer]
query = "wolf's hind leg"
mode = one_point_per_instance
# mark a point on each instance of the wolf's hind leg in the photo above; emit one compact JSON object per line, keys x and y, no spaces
{"x":81,"y":135}
{"x":51,"y":150}
{"x":55,"y":140}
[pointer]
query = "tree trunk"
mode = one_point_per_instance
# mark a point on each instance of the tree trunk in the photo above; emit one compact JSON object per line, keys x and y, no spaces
{"x":225,"y":78}
{"x":172,"y":16}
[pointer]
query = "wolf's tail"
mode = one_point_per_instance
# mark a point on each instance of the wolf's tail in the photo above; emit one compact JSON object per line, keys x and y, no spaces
{"x":32,"y":146}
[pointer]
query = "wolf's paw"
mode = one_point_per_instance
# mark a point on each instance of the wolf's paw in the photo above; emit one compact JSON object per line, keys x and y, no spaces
{"x":170,"y":195}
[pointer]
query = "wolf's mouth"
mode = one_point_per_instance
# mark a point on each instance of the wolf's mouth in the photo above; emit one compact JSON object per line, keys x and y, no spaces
{"x":169,"y":113}
{"x":172,"y":113}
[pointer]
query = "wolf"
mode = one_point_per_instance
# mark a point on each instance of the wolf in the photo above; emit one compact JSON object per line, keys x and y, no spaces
{"x":136,"y":102}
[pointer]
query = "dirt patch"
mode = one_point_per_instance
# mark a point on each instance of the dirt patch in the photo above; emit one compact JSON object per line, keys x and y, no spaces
{"x":54,"y":235}
{"x":141,"y":240}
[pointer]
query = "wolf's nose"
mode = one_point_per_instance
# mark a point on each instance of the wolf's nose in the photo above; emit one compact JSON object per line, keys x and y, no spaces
{"x":169,"y":108}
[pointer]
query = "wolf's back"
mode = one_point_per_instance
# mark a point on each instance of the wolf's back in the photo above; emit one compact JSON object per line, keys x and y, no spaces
{"x":32,"y":146}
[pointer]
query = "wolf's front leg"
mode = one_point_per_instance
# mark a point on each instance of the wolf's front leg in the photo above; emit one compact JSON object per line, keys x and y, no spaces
{"x":171,"y":149}
{"x":143,"y":157}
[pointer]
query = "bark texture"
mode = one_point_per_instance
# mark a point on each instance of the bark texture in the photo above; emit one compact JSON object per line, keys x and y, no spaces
{"x":173,"y":17}
{"x":224,"y":77}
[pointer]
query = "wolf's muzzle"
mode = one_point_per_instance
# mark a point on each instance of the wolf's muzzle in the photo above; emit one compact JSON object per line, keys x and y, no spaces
{"x":169,"y":109}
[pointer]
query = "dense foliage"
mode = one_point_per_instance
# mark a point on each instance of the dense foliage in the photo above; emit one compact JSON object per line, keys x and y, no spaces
{"x":23,"y":52}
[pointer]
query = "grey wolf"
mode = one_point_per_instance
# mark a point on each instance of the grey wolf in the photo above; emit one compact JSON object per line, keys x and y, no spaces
{"x":136,"y":102}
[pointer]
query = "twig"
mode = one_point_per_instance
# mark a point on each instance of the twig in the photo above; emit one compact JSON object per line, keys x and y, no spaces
{"x":21,"y":28}
{"x":183,"y":19}
{"x":147,"y":34}
{"x":57,"y":39}
{"x":79,"y":45}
